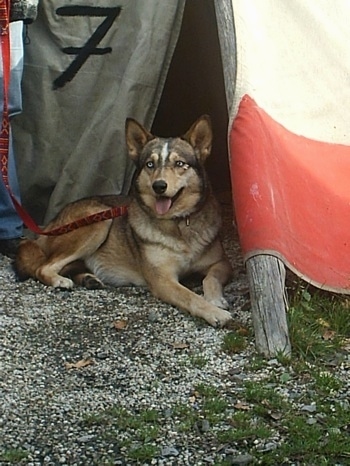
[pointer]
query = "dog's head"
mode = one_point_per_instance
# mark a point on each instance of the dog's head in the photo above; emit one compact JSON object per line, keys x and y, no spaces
{"x":170,"y":179}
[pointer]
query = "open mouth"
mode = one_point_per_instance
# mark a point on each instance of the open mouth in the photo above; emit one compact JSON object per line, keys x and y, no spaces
{"x":164,"y":203}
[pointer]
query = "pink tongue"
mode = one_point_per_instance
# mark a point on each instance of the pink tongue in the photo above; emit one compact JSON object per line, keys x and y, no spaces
{"x":163,"y":204}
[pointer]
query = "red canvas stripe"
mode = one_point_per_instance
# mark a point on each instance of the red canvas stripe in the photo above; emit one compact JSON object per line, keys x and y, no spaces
{"x":292,"y":197}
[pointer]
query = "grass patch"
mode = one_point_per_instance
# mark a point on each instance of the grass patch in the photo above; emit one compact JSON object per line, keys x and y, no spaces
{"x":245,"y":428}
{"x":210,"y":406}
{"x":143,"y":452}
{"x":139,"y":430}
{"x":309,"y":444}
{"x":198,"y":361}
{"x":319,"y":437}
{"x":13,"y":455}
{"x":319,"y":326}
{"x":233,"y":343}
{"x":318,"y":322}
{"x":206,"y":391}
{"x":264,"y":397}
{"x":325,"y":382}
{"x":186,"y":418}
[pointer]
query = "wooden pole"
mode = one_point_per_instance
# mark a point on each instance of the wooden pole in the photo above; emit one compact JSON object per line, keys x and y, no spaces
{"x":266,"y":276}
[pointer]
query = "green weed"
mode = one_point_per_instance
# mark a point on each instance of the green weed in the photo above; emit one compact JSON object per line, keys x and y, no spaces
{"x":143,"y":452}
{"x":13,"y":455}
{"x":233,"y":343}
{"x":198,"y":361}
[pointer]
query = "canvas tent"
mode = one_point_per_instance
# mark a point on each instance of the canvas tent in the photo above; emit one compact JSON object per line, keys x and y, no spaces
{"x":273,"y":75}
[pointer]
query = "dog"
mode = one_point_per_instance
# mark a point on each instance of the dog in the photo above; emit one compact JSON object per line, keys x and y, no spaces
{"x":171,"y":230}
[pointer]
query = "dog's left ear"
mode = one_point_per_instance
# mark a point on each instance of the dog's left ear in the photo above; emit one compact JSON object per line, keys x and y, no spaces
{"x":200,"y":136}
{"x":136,"y":138}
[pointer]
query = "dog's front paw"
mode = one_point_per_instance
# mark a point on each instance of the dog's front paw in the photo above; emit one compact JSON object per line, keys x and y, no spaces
{"x":62,"y":282}
{"x":219,"y":318}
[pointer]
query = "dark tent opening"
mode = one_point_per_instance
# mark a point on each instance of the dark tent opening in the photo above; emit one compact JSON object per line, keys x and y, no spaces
{"x":195,"y":86}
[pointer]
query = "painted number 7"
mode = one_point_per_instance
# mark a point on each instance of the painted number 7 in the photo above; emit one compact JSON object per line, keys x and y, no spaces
{"x":90,"y":46}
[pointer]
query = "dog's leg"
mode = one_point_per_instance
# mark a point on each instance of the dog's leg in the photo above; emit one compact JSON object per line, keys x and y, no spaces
{"x":52,"y":274}
{"x":48,"y":273}
{"x":67,"y":251}
{"x":216,"y":278}
{"x":81,"y":275}
{"x":168,"y":289}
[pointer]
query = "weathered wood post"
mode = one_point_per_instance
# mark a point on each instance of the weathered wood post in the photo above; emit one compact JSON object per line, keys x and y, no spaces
{"x":266,"y":276}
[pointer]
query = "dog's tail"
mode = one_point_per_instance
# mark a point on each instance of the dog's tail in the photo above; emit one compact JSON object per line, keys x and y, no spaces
{"x":28,"y":259}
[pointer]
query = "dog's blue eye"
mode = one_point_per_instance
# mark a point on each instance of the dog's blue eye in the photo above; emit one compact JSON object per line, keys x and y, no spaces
{"x":180,"y":163}
{"x":150,"y":164}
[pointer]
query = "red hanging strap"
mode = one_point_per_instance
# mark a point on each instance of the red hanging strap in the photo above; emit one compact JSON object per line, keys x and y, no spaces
{"x":5,"y":138}
{"x":6,"y":66}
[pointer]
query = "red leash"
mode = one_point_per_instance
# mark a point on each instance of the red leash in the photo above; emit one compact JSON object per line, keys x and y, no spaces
{"x":4,"y":144}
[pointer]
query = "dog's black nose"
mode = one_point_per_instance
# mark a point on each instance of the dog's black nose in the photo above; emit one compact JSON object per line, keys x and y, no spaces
{"x":159,"y":186}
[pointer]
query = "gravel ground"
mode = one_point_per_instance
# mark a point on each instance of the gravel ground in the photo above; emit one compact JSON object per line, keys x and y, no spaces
{"x":137,"y":352}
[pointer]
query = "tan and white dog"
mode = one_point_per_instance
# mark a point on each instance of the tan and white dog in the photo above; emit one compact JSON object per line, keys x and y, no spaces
{"x":171,"y":230}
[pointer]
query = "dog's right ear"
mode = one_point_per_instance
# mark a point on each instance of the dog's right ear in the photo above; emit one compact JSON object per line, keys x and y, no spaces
{"x":136,"y":138}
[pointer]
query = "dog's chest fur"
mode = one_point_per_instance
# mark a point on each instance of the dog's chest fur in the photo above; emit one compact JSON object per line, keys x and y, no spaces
{"x":187,"y":237}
